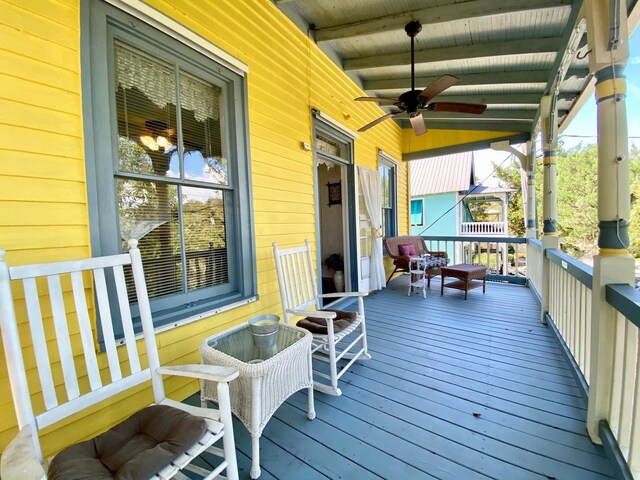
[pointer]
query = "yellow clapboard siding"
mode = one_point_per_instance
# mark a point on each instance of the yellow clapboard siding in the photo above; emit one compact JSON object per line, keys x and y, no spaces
{"x":63,"y":12}
{"x":38,"y":165}
{"x":21,"y":256}
{"x":269,"y":206}
{"x":34,"y":70}
{"x":22,"y":19}
{"x":35,"y":237}
{"x":42,"y":190}
{"x":40,"y":118}
{"x":24,"y":43}
{"x":39,"y":95}
{"x":29,"y":213}
{"x":36,"y":141}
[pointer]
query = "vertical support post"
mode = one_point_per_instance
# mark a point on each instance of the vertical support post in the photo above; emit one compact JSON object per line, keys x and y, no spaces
{"x":549,"y":195}
{"x":608,"y":43}
{"x":531,"y":213}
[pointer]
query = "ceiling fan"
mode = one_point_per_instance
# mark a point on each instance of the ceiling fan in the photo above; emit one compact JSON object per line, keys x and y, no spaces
{"x":413,"y":101}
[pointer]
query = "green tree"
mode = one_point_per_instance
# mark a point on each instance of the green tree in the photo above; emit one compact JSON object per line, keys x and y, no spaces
{"x":509,"y":177}
{"x":577,"y":187}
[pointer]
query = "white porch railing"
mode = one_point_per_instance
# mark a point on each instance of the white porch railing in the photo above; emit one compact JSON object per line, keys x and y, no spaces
{"x":483,"y":228}
{"x":504,"y":257}
{"x":570,"y":291}
{"x":624,"y":412}
{"x":534,"y":265}
{"x":570,"y":305}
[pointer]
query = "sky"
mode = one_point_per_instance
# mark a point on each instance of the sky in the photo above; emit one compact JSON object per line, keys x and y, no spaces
{"x":583,"y":127}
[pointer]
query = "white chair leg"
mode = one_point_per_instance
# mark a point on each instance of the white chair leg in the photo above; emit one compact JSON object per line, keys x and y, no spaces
{"x":311,"y":410}
{"x":228,"y":440}
{"x":255,"y":456}
{"x":363,"y":329}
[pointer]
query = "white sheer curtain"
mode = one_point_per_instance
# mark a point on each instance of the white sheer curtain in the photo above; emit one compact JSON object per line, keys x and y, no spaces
{"x":371,"y":184}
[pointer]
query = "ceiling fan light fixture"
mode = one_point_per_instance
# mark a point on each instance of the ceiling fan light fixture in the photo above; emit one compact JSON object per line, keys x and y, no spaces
{"x":413,"y":101}
{"x":156,"y":143}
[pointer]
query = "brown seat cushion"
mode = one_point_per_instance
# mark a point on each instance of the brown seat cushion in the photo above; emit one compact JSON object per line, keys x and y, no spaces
{"x":319,"y":325}
{"x":136,"y":448}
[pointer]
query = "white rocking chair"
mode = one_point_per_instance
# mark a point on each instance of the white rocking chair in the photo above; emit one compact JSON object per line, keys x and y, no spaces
{"x":81,"y":384}
{"x":299,"y":293}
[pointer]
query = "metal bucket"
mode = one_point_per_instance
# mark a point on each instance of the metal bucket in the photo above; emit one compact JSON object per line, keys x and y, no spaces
{"x":264,"y":329}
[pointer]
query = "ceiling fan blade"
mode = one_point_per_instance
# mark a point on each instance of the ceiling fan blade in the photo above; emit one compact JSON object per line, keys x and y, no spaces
{"x":379,"y":100}
{"x":417,"y":123}
{"x":439,"y":86}
{"x":377,"y":121}
{"x":475,"y":108}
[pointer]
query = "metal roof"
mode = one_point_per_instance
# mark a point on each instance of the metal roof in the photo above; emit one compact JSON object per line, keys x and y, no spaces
{"x":448,"y":173}
{"x":482,"y":190}
{"x":505,"y":53}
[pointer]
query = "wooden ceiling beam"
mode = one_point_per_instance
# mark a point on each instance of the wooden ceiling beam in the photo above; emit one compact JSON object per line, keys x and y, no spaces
{"x":510,"y":98}
{"x":527,"y":115}
{"x":494,"y":78}
{"x":487,"y":125}
{"x":441,"y":14}
{"x":460,"y":52}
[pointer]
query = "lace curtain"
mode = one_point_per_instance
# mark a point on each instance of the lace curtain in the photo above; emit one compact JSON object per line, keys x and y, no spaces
{"x":157,"y":82}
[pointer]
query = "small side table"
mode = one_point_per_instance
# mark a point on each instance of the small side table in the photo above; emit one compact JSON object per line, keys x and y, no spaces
{"x":262,"y":386}
{"x":418,"y":267}
{"x":465,"y":275}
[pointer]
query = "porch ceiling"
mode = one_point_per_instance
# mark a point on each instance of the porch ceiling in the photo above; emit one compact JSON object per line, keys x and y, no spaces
{"x":506,"y":54}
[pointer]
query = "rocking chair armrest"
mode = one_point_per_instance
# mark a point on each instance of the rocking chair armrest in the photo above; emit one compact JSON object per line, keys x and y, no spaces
{"x":19,"y":460}
{"x":344,"y":294}
{"x":205,"y":372}
{"x":438,"y":254}
{"x":313,"y":313}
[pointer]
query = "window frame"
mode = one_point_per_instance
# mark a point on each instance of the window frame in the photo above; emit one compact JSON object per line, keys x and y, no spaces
{"x":421,"y":200}
{"x":392,"y":210}
{"x":107,"y":24}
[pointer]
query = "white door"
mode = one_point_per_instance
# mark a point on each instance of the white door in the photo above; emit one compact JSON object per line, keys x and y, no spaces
{"x":364,"y":244}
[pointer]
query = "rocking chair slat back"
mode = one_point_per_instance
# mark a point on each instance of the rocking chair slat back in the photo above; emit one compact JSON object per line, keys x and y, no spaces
{"x":127,"y":322}
{"x":296,"y":277}
{"x":37,"y":334}
{"x":70,"y":341}
{"x":86,"y":335}
{"x":104,"y":311}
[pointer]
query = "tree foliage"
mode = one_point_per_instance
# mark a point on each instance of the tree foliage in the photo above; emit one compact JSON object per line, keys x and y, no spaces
{"x":577,"y":187}
{"x":509,"y":177}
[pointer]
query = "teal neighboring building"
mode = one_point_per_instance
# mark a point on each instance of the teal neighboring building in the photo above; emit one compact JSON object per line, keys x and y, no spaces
{"x":444,"y":196}
{"x":435,"y":186}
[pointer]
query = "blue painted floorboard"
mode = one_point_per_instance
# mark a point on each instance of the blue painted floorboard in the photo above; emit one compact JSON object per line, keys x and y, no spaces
{"x":456,"y":390}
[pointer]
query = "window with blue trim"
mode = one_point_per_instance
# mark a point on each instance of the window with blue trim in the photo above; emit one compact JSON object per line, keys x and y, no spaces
{"x":417,"y":213}
{"x":387,"y":171}
{"x":169,"y":165}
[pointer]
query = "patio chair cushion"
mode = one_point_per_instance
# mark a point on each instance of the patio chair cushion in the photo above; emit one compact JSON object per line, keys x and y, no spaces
{"x":408,"y":250}
{"x":135,"y":449}
{"x":319,"y":325}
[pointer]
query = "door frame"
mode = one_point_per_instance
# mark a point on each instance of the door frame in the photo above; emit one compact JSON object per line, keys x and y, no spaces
{"x":331,"y":129}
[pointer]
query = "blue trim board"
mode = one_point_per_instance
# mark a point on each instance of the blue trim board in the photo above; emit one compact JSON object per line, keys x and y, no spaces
{"x":534,"y":292}
{"x":583,"y":386}
{"x":578,"y":270}
{"x":465,"y":147}
{"x":626,"y":300}
{"x":611,"y":448}
{"x":535,"y":243}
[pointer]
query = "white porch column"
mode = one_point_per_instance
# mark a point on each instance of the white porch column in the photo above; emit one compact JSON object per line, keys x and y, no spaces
{"x":609,"y":52}
{"x":549,"y":194}
{"x":531,"y":211}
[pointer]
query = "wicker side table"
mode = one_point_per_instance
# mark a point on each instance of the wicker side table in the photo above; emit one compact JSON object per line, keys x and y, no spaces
{"x":261,"y":387}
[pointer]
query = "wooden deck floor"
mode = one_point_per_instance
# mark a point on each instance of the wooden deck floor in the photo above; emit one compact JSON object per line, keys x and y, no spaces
{"x":456,"y":390}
